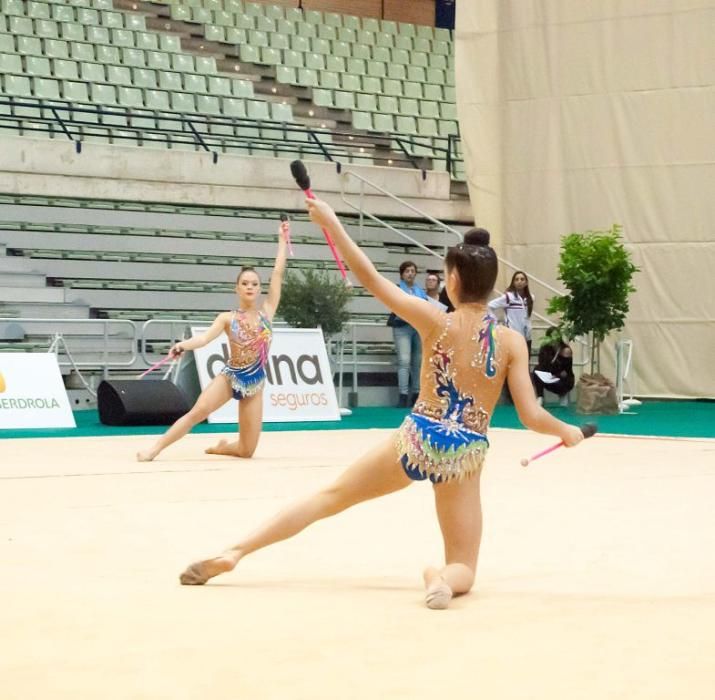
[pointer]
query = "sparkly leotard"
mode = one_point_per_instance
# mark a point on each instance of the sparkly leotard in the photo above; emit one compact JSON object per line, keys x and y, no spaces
{"x":246,"y":368}
{"x":445,"y":436}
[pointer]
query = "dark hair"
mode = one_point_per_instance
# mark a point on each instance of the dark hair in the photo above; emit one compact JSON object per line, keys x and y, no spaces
{"x":247,"y":269}
{"x":476,"y":263}
{"x":527,"y":294}
{"x":405,"y":265}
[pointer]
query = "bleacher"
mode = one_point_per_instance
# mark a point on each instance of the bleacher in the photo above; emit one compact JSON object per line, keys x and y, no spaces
{"x":229,"y":76}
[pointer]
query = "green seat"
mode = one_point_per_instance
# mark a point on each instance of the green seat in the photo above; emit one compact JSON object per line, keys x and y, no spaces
{"x":384,"y":40}
{"x":403,"y":42}
{"x":315,"y":61}
{"x":347,"y":34}
{"x":152,"y":139}
{"x":46,"y":89}
{"x":449,"y":77}
{"x":122,"y":37}
{"x":270,"y":57}
{"x":65,"y":70}
{"x":97,"y":35}
{"x":392,"y":87}
{"x":134,"y":58}
{"x":241,"y":88}
{"x":383,"y":123}
{"x":327,"y":33}
{"x":180,"y":13}
{"x":360,"y":51}
{"x":306,"y":30}
{"x":144,"y":78}
{"x":425,"y":32}
{"x":406,"y":29}
{"x":205,"y":65}
{"x":71,"y":32}
{"x":168,"y":42}
{"x":278,"y":41}
{"x":351,"y":22}
{"x":321,"y":46}
{"x":344,"y":100}
{"x":356,"y":66}
{"x":183,"y":102}
{"x":348,"y":81}
{"x":447,"y":127}
{"x":401,"y":56}
{"x":366,"y":102}
{"x":130,"y":97}
{"x":371,"y":84}
{"x":194,"y":83}
{"x":12,"y":63}
{"x":335,"y":64}
{"x":388,"y":105}
{"x":216,"y":33}
{"x":256,"y":109}
{"x":286,"y":75}
{"x":158,"y":60}
{"x":92,"y":72}
{"x":221,"y":18}
{"x":427,"y":127}
{"x":233,"y":107}
{"x":81,"y":52}
{"x":7,"y":45}
{"x":409,"y":107}
{"x":281,"y":112}
{"x":437,"y":61}
{"x":56,"y":48}
{"x":249,"y":54}
{"x":266,"y":24}
{"x":75,"y":92}
{"x":182,"y":63}
{"x":396,"y":71}
{"x":119,"y":75}
{"x":114,"y":20}
{"x":322,"y":97}
{"x":107,"y":54}
{"x":293,"y":14}
{"x":365,"y":37}
{"x":417,"y":74}
{"x":433,"y":92}
{"x":300,"y":43}
{"x":450,"y":94}
{"x":201,"y":15}
{"x":273,"y":11}
{"x":103,"y":94}
{"x":376,"y":69}
{"x":362,"y":121}
{"x":388,"y":26}
{"x":412,"y":90}
{"x":419,"y":59}
{"x":236,"y":36}
{"x":62,"y":13}
{"x":313,"y":16}
{"x":285,"y":27}
{"x":423,"y":45}
{"x":170,"y":81}
{"x":371,"y":24}
{"x":442,"y":48}
{"x":219,"y":86}
{"x":20,"y":25}
{"x":406,"y":125}
{"x":27,"y":45}
{"x":307,"y":77}
{"x":86,"y":15}
{"x":429,"y":109}
{"x":46,"y":28}
{"x":146,"y":40}
{"x":208,"y":104}
{"x":442,"y":34}
{"x":332,"y":19}
{"x":329,"y":80}
{"x":435,"y":76}
{"x":156,"y":99}
{"x":448,"y":110}
{"x":257,"y":39}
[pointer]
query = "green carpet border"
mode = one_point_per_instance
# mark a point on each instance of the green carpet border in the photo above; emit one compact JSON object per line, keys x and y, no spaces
{"x":680,"y":419}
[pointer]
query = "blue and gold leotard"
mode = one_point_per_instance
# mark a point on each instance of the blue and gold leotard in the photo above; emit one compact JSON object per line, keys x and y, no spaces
{"x":246,"y":368}
{"x":445,"y":436}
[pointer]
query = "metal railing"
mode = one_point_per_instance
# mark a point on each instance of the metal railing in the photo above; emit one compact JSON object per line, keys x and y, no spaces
{"x":214,"y":134}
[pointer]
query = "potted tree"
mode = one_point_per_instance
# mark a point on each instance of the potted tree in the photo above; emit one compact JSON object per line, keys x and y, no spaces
{"x":597,"y":271}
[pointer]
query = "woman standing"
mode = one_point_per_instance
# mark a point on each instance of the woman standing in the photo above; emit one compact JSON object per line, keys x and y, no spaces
{"x":407,"y":340}
{"x":518,"y":304}
{"x":444,"y":438}
{"x":249,"y":333}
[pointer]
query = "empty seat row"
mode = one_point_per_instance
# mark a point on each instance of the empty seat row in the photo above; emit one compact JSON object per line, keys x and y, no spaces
{"x":109,"y":95}
{"x":309,"y":77}
{"x":397,"y":124}
{"x":19,"y":21}
{"x":370,"y":102}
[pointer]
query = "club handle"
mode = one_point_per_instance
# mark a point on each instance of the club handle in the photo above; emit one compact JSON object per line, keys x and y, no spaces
{"x":589,"y":429}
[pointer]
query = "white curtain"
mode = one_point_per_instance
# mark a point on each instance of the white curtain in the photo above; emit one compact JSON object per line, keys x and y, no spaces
{"x":578,"y":114}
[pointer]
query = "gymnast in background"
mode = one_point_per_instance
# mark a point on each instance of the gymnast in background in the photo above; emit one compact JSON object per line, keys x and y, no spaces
{"x":249,"y":333}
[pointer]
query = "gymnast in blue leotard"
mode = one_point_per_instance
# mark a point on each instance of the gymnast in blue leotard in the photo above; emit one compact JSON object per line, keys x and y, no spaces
{"x":249,"y":333}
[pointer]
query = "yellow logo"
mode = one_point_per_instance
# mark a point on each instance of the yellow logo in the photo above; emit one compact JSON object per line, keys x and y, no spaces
{"x":2,"y":383}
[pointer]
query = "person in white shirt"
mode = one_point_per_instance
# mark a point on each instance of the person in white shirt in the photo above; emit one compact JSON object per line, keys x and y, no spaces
{"x":517,"y":303}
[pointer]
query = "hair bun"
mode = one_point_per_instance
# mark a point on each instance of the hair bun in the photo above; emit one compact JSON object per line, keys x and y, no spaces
{"x":477,"y":236}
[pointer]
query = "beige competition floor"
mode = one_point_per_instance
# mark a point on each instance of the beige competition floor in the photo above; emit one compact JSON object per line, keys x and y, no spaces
{"x":596,"y":577}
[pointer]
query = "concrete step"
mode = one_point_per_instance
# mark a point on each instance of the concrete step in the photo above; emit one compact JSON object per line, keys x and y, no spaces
{"x":21,"y":279}
{"x":32,"y":294}
{"x":25,"y":309}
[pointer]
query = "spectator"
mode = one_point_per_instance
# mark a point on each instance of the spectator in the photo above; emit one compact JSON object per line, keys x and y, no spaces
{"x":407,"y":340}
{"x":433,"y":284}
{"x":554,"y":371}
{"x":518,"y":303}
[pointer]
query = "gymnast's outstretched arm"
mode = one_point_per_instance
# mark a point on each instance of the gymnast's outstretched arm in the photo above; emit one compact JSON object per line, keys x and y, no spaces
{"x":420,"y":314}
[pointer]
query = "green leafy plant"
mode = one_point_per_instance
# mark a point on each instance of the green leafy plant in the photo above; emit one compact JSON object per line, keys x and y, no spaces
{"x":597,"y":271}
{"x":315,"y":298}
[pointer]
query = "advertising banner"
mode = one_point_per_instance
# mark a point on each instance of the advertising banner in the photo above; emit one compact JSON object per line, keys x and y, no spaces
{"x":299,"y":383}
{"x":32,"y":394}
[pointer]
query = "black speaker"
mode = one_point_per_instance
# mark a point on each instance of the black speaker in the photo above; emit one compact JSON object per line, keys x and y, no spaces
{"x":134,"y":402}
